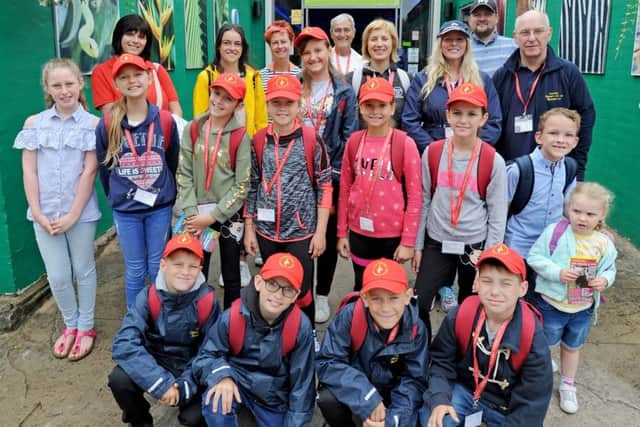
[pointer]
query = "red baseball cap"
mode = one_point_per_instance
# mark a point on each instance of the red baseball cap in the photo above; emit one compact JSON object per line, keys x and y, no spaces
{"x":232,"y":83}
{"x":378,"y":89}
{"x":184,"y":241}
{"x":128,"y":59}
{"x":283,"y":264}
{"x":469,"y":93}
{"x":384,"y":274}
{"x":511,"y":259}
{"x":310,"y":33}
{"x":284,"y":86}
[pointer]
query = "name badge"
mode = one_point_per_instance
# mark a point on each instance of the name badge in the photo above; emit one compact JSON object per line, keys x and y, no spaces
{"x":236,"y":229}
{"x":448,"y":132}
{"x":453,"y":248}
{"x":145,"y":197}
{"x":266,"y":215}
{"x":206,"y":208}
{"x":523,"y":124}
{"x":366,"y":224}
{"x":473,"y":420}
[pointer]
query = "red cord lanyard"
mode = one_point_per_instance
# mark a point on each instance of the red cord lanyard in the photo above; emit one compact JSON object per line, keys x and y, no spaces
{"x":457,"y":206}
{"x":448,"y":85}
{"x":375,"y":175}
{"x":495,"y":349}
{"x":132,"y":147}
{"x":268,"y":187}
{"x":335,"y":53}
{"x":531,"y":91}
{"x":209,"y":166}
{"x":316,"y":125}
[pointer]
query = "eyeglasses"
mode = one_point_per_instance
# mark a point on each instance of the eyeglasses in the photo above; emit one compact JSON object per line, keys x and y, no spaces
{"x":274,"y":287}
{"x":537,"y":32}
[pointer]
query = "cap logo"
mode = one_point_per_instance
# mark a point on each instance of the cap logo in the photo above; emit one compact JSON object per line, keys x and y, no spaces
{"x":466,"y":89}
{"x":373,"y":84}
{"x":231,"y":78}
{"x":281,"y":82}
{"x":185,"y":238}
{"x":286,"y":262}
{"x":501,"y":249}
{"x":380,"y":268}
{"x":124,"y":58}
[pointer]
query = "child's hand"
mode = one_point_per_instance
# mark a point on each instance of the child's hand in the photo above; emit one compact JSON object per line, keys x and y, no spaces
{"x":568,"y":275}
{"x":227,"y":390}
{"x":63,"y":224}
{"x":196,"y":223}
{"x":598,"y":284}
{"x":403,"y":254}
{"x":250,"y":239}
{"x":344,"y":250}
{"x":44,"y":223}
{"x":415,"y":261}
{"x":171,"y":396}
{"x":317,"y":245}
{"x":474,"y":256}
{"x":439,"y":412}
{"x":376,"y":419}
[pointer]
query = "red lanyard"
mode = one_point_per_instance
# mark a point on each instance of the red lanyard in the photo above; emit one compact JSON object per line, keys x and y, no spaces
{"x":209,"y":166}
{"x":448,"y":85}
{"x":375,"y":174}
{"x":455,"y":208}
{"x":338,"y":62}
{"x":132,"y":147}
{"x":495,"y":349}
{"x":268,"y":187}
{"x":316,"y":125}
{"x":531,"y":91}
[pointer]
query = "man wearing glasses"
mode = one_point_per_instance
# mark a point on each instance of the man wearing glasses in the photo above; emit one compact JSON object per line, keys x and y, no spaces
{"x":490,"y":49}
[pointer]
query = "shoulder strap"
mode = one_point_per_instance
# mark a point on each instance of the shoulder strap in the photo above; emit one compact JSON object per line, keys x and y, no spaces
{"x":195,"y":132}
{"x":259,"y":141}
{"x":524,"y":187}
{"x":309,"y":140}
{"x":558,"y":231}
{"x":352,"y":148}
{"x":485,"y":167}
{"x":156,"y":85}
{"x":166,"y":124}
{"x":464,"y":321}
{"x":348,"y":298}
{"x":235,"y":139}
{"x":434,"y":155}
{"x":359,"y":326}
{"x":290,"y":330}
{"x":237,"y":327}
{"x":204,"y":307}
{"x":106,"y":116}
{"x":570,"y":170}
{"x":526,"y":334}
{"x":356,"y":80}
{"x":404,"y":79}
{"x":153,"y":300}
{"x":398,"y":139}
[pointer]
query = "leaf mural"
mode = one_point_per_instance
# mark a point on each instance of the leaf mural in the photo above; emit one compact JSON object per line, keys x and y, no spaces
{"x":195,"y":20}
{"x":159,"y":16}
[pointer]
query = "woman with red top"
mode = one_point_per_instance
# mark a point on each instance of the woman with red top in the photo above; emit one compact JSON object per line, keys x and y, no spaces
{"x":380,"y":185}
{"x":132,"y":35}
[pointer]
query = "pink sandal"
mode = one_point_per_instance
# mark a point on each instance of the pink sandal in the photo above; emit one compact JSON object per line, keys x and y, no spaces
{"x":59,"y":350}
{"x":74,"y":354}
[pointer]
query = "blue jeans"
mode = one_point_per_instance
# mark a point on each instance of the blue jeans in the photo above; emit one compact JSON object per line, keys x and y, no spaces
{"x":65,"y":256}
{"x":264,"y":417}
{"x":462,"y":402}
{"x":142,"y":237}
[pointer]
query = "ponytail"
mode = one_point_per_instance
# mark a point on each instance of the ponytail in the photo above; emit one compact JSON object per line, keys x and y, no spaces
{"x":114,"y":133}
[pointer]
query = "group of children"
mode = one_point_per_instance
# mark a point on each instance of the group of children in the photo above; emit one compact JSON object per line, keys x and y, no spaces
{"x":445,"y":213}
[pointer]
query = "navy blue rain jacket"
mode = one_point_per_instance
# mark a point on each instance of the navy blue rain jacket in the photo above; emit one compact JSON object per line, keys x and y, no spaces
{"x":395,"y":372}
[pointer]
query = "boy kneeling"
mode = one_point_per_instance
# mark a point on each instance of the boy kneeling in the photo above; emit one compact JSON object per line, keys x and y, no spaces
{"x":260,"y":353}
{"x":373,"y":359}
{"x":490,"y":361}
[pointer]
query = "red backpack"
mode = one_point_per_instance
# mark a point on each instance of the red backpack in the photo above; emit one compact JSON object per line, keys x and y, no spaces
{"x":166,"y":124}
{"x":398,"y":139}
{"x":235,"y":139}
{"x":204,"y":305}
{"x":485,"y":165}
{"x":359,"y":324}
{"x":467,"y":314}
{"x":238,"y":324}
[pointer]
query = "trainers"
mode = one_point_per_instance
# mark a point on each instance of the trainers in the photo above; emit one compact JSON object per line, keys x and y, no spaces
{"x":245,"y":274}
{"x":448,"y":298}
{"x":220,"y":281}
{"x":568,"y":399}
{"x":323,"y":312}
{"x":258,"y":260}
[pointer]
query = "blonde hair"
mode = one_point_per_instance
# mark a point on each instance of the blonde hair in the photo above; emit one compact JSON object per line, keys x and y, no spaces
{"x":595,"y":192}
{"x":438,"y":67}
{"x":61,"y":63}
{"x":381,"y":24}
{"x":114,"y":133}
{"x":559,"y":111}
{"x":306,"y":77}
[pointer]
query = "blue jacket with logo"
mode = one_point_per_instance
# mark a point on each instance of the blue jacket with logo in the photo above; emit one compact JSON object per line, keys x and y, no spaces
{"x":395,"y":372}
{"x":155,"y":355}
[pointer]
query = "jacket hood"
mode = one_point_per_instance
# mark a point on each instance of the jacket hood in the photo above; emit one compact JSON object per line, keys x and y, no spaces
{"x":161,"y":284}
{"x":151,"y":116}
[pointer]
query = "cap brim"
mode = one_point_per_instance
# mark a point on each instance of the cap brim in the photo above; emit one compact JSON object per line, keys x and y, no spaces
{"x":178,"y":248}
{"x":234,"y":93}
{"x":474,"y":102}
{"x":392,"y":286}
{"x":450,"y":30}
{"x":509,"y":266}
{"x":482,"y":5}
{"x":382,"y":97}
{"x":282,"y":94}
{"x":285,"y":275}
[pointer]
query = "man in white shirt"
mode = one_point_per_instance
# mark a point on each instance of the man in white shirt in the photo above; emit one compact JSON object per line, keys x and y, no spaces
{"x":343,"y":58}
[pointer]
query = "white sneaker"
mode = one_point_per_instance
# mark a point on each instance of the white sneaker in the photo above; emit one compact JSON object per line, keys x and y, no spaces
{"x":245,"y":274}
{"x":258,"y":261}
{"x":554,"y":366}
{"x":220,"y":281}
{"x":323,"y":312}
{"x":568,"y":398}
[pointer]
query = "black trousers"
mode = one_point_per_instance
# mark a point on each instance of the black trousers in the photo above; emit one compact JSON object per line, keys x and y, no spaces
{"x":299,"y":249}
{"x":329,"y":259}
{"x":369,"y":248}
{"x":335,"y":413}
{"x":135,"y":408}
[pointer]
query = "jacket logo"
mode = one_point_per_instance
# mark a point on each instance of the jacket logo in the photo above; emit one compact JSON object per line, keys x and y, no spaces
{"x":554,"y":96}
{"x":195,"y":333}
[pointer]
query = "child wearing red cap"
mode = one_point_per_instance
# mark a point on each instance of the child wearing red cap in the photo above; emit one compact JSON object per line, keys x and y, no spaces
{"x":290,"y":196}
{"x":464,"y":206}
{"x":213,"y":177}
{"x":481,"y":370}
{"x":381,"y":380}
{"x":161,"y":334}
{"x":380,"y":185}
{"x":268,"y":369}
{"x":137,"y":148}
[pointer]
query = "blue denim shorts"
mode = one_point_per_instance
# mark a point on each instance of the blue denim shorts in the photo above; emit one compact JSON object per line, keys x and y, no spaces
{"x":569,"y":329}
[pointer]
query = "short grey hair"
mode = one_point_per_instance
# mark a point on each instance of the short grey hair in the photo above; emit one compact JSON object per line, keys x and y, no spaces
{"x":342,"y":17}
{"x":532,"y":12}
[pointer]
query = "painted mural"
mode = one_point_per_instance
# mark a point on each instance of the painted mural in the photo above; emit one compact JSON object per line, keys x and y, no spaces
{"x":584,"y":28}
{"x":635,"y":63}
{"x":159,"y":16}
{"x":195,"y":33}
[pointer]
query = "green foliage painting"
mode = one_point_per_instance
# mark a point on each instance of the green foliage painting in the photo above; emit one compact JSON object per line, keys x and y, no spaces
{"x":195,"y":37}
{"x":159,"y":16}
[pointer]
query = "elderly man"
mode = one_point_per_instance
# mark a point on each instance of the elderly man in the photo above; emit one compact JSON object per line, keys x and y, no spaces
{"x":343,"y":58}
{"x":535,"y":80}
{"x":490,"y":49}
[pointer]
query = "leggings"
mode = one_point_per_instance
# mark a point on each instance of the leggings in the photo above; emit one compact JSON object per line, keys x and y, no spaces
{"x":329,"y":259}
{"x":366,"y":249}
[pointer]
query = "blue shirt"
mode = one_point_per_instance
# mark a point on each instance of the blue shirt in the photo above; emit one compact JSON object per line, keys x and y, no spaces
{"x":491,"y":55}
{"x":545,"y":205}
{"x":61,"y":145}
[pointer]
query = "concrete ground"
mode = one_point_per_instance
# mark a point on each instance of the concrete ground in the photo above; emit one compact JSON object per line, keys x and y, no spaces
{"x":39,"y":390}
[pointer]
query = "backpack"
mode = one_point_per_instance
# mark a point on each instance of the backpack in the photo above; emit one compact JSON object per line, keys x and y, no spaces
{"x":485,"y":165}
{"x":166,"y":125}
{"x":238,"y":324}
{"x":309,"y":139}
{"x":356,"y":79}
{"x":464,"y":325}
{"x":359,"y":324}
{"x":204,"y":305}
{"x":398,"y":139}
{"x":558,"y":231}
{"x":235,"y":139}
{"x":524,"y":188}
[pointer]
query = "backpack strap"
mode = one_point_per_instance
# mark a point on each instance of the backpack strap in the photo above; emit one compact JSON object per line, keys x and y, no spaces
{"x":359,"y":326}
{"x":351,"y":149}
{"x":204,"y":307}
{"x":309,"y":140}
{"x":570,"y":171}
{"x":235,"y":139}
{"x":153,"y":300}
{"x":290,"y":330}
{"x":558,"y":231}
{"x":434,"y":155}
{"x":348,"y":298}
{"x":259,"y":142}
{"x":166,"y":124}
{"x":404,"y":79}
{"x":485,"y":167}
{"x":398,"y":139}
{"x":524,"y":187}
{"x":529,"y":314}
{"x":463,"y":325}
{"x":237,"y":324}
{"x":194,"y":131}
